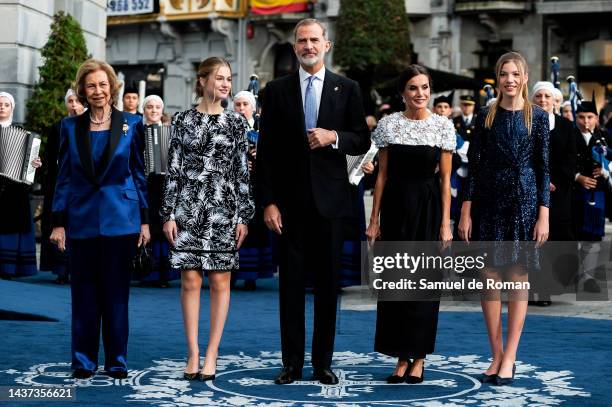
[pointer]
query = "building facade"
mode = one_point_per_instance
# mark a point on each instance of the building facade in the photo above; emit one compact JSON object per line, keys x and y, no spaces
{"x":25,"y":30}
{"x":164,"y":46}
{"x":467,"y":36}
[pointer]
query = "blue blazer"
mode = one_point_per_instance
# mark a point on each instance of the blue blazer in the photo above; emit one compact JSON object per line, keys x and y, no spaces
{"x":112,"y":199}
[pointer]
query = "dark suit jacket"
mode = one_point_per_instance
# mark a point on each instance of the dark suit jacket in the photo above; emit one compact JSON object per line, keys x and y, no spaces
{"x":110,"y":200}
{"x":291,"y":175}
{"x":585,"y":163}
{"x":563,"y":162}
{"x":465,"y":131}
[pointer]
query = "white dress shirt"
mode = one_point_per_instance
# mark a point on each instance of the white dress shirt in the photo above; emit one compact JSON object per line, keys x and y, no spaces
{"x":467,"y":119}
{"x":317,"y":84}
{"x":587,"y":137}
{"x":551,"y":121}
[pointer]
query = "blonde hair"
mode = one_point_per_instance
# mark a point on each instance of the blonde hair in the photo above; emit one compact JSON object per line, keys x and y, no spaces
{"x":524,"y":91}
{"x":207,"y":67}
{"x":93,"y":65}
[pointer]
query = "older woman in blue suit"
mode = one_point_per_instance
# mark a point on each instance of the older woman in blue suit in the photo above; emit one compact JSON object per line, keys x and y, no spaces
{"x":100,"y":207}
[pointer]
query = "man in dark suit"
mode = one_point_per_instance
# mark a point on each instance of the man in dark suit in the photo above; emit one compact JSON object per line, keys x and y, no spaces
{"x":310,"y":120}
{"x":465,"y":122}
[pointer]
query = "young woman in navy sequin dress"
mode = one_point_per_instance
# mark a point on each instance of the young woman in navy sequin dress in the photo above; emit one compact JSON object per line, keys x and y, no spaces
{"x":508,"y":183}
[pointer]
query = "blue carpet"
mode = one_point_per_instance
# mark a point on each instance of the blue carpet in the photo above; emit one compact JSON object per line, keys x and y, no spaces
{"x":562,"y":360}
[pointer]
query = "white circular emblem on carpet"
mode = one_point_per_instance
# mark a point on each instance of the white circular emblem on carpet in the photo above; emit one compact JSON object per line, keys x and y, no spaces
{"x":246,"y":380}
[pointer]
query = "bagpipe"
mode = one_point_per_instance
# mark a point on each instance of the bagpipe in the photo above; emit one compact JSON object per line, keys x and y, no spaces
{"x":489,"y":92}
{"x":554,"y":71}
{"x":575,"y":97}
{"x":253,"y":87}
{"x":601,"y":156}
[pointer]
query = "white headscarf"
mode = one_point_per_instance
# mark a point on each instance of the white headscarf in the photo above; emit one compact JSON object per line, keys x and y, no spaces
{"x":245,"y":94}
{"x":12,"y":102}
{"x":69,"y":93}
{"x":147,"y":100}
{"x":544,"y":85}
{"x":153,"y":97}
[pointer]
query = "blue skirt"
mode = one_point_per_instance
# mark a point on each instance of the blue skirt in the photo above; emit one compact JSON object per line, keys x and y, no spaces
{"x":18,"y":254}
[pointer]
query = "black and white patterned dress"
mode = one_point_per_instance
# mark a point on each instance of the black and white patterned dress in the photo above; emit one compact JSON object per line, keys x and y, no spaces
{"x":207,"y":188}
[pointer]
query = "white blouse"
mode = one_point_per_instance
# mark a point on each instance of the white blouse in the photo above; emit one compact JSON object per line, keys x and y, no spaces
{"x":435,"y":131}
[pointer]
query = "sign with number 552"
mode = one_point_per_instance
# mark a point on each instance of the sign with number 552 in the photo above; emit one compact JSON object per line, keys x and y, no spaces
{"x":128,"y":7}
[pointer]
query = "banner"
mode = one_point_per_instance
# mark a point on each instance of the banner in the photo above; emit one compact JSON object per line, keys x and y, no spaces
{"x":278,"y":6}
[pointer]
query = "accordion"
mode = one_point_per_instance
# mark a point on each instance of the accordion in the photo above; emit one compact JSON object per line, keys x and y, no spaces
{"x":18,"y":148}
{"x":355,"y":162}
{"x":157,"y":142}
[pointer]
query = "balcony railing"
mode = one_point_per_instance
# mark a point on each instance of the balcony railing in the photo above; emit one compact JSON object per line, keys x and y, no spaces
{"x":499,"y":6}
{"x":573,"y":6}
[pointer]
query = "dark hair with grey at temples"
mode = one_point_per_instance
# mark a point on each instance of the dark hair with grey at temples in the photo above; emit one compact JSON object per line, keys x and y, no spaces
{"x":409,"y":73}
{"x":309,"y":21}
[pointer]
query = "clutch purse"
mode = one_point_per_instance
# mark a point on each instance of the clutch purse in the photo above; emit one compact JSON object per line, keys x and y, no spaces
{"x":142,"y":263}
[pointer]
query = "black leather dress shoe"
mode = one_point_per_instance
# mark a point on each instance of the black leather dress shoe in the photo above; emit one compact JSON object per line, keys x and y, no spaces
{"x":82,"y":374}
{"x":325,"y":376}
{"x":288,"y":375}
{"x":591,"y":286}
{"x":118,"y":374}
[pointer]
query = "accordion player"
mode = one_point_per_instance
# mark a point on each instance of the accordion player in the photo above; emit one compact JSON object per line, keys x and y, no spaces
{"x":18,"y":148}
{"x":157,"y":142}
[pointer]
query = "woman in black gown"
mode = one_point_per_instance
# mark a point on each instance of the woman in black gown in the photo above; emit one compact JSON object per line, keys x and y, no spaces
{"x":414,"y":205}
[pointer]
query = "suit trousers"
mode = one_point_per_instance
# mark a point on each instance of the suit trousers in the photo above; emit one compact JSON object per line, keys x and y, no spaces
{"x":100,"y":288}
{"x":311,"y":244}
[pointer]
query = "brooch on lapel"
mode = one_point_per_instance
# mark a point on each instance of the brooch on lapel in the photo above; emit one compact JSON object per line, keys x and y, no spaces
{"x":337,"y":88}
{"x":125,"y":128}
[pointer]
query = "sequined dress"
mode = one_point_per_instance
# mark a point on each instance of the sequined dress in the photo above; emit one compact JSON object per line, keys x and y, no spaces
{"x":508,"y":177}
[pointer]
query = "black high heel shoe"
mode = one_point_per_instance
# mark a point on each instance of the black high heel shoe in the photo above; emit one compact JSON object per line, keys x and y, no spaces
{"x":506,"y":381}
{"x":190,"y":376}
{"x":395,"y":379}
{"x":416,"y":379}
{"x":487,"y":378}
{"x":205,"y":377}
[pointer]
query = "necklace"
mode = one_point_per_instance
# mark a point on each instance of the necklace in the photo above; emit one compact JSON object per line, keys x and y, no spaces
{"x":101,"y":122}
